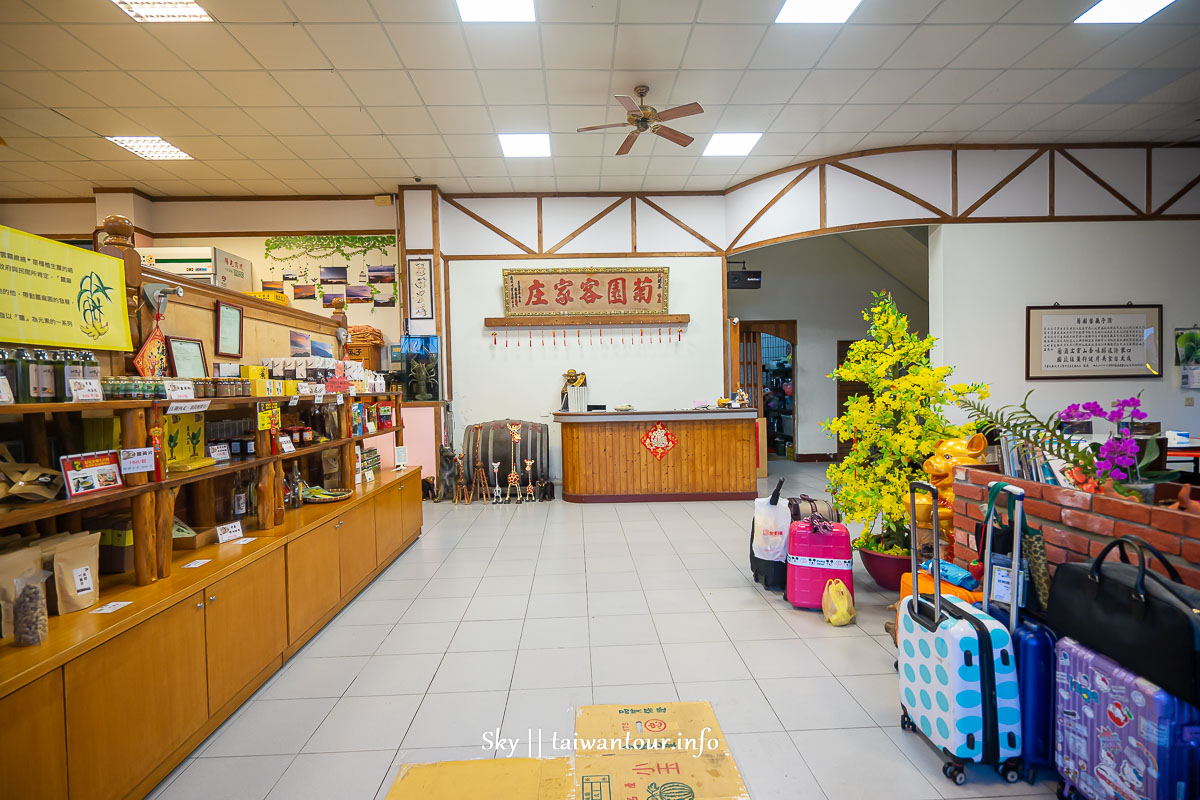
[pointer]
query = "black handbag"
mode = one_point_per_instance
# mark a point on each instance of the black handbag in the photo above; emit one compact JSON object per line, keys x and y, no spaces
{"x":1148,"y":624}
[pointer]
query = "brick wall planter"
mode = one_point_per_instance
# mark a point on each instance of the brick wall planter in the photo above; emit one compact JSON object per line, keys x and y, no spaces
{"x":1077,"y":525}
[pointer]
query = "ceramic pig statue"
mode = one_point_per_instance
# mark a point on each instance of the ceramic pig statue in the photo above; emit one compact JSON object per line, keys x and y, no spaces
{"x":947,"y":454}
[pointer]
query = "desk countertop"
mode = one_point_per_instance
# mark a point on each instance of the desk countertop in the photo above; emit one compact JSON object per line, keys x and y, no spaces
{"x":566,"y":417}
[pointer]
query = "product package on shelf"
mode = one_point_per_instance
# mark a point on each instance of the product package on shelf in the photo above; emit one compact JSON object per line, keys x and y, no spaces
{"x":183,"y":439}
{"x":116,"y":544}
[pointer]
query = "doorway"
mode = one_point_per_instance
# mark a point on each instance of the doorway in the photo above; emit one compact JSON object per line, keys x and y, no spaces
{"x":845,"y":390}
{"x":766,"y":370}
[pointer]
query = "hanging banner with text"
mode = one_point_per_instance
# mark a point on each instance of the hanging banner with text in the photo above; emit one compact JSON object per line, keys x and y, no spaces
{"x":58,"y":295}
{"x":563,"y":292}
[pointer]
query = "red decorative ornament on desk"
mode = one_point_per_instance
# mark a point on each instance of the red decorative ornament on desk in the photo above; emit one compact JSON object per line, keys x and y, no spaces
{"x":659,"y":441}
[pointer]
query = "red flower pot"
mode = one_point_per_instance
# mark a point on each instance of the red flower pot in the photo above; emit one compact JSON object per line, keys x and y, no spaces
{"x":885,"y":569}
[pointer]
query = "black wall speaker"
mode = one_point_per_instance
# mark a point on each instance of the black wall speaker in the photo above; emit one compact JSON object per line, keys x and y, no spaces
{"x":744,"y":279}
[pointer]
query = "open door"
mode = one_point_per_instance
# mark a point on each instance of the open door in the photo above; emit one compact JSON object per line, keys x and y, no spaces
{"x":766,"y":370}
{"x":845,"y":390}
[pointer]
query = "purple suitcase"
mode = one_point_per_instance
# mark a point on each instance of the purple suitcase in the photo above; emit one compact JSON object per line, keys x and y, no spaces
{"x":1118,"y":736}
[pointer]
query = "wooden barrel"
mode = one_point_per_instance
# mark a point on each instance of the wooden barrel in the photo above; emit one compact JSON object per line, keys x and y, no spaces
{"x":490,"y":441}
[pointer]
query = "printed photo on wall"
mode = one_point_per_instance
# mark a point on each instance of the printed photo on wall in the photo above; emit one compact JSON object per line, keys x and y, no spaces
{"x":290,"y":277}
{"x":304,"y":291}
{"x":301,"y":344}
{"x":384,"y":274}
{"x":385,"y":301}
{"x":322,"y":349}
{"x":272,"y":286}
{"x":358,"y":294}
{"x":333,"y":275}
{"x":329,"y":297}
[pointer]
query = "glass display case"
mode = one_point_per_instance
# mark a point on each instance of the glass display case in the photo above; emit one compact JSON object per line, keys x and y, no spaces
{"x":416,"y":368}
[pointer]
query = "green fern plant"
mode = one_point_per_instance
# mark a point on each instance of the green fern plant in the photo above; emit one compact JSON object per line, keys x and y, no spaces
{"x":1027,"y":431}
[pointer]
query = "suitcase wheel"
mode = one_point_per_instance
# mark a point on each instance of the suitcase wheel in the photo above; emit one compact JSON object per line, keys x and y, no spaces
{"x":1011,"y":770}
{"x":955,"y":773}
{"x":906,"y":723}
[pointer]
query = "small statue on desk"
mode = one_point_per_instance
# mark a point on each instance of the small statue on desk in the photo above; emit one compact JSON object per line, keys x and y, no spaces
{"x":740,"y":398}
{"x":460,"y":483}
{"x":570,"y":378}
{"x":496,"y":493}
{"x":530,"y":497}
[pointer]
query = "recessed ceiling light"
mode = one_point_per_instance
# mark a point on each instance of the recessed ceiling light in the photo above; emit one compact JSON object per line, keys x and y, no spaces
{"x":731,"y":144}
{"x":1127,"y":11}
{"x":177,"y":11}
{"x":496,"y":10}
{"x":817,"y":10}
{"x":151,"y":148}
{"x":525,"y":145}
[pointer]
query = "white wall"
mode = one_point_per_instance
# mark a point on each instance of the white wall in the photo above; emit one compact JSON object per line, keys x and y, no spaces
{"x":495,"y":382}
{"x":824,"y":284}
{"x":983,"y":276}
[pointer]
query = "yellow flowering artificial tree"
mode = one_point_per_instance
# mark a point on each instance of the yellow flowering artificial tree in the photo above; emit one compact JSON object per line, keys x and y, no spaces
{"x":891,"y":429}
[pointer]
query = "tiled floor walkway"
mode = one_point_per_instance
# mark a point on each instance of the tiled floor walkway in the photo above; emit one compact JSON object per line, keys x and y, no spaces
{"x":508,"y":617}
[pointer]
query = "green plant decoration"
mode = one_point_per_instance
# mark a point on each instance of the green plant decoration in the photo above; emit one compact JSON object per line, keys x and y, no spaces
{"x":172,"y":443}
{"x":1188,"y":345}
{"x":1028,"y":432}
{"x":194,"y":441}
{"x":289,"y":248}
{"x":892,"y":428}
{"x":91,"y":299}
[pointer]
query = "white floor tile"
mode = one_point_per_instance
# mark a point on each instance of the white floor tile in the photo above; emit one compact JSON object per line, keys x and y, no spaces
{"x":639,"y":663}
{"x":504,"y":585}
{"x":604,"y":604}
{"x":720,"y":578}
{"x":858,"y":655}
{"x":524,"y":565}
{"x":431,"y":755}
{"x":634,"y":694}
{"x":271,"y":727}
{"x":314,"y":677}
{"x":558,"y":583}
{"x":474,"y":672}
{"x":496,"y":634}
{"x":705,"y":661}
{"x":404,"y":674}
{"x":511,"y":606}
{"x":814,"y":703}
{"x":242,"y":777}
{"x":542,"y":606}
{"x":622,"y":629}
{"x":418,"y":637}
{"x":394,"y":590}
{"x":440,"y":588}
{"x":836,"y":758}
{"x":675,"y":601}
{"x":739,"y":705}
{"x":365,"y":723}
{"x":443,"y":609}
{"x":810,"y":625}
{"x":771,"y":767}
{"x":552,"y":668}
{"x":747,"y":625}
{"x":878,"y":694}
{"x":613,"y":582}
{"x":982,"y":781}
{"x":740,"y":598}
{"x":373,"y":612}
{"x":554,"y":632}
{"x":539,"y":715}
{"x":319,"y":776}
{"x":780,"y":658}
{"x":698,"y":627}
{"x":346,"y":640}
{"x":456,"y":720}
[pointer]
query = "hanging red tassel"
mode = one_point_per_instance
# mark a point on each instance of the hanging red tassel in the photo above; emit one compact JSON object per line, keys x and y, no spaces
{"x":553,"y":339}
{"x":578,"y":336}
{"x":493,"y":336}
{"x":660,"y":335}
{"x":681,"y":334}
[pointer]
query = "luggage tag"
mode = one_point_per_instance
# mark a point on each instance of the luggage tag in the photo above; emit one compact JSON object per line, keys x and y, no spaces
{"x":1001,"y":585}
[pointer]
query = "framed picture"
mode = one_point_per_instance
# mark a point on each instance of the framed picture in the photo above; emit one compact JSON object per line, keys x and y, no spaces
{"x":186,"y":357}
{"x":229,"y":330}
{"x":1093,"y":341}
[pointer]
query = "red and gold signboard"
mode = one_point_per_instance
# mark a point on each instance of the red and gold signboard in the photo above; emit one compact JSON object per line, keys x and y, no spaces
{"x":578,"y":291}
{"x":659,"y":441}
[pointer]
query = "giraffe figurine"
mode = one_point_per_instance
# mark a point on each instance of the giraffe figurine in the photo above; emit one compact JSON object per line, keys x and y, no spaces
{"x":460,"y":484}
{"x":479,"y":487}
{"x":530,"y":497}
{"x":496,"y":494}
{"x":514,"y":477}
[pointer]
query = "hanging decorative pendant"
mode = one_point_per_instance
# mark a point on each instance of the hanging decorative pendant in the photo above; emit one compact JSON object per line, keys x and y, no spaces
{"x":493,"y":336}
{"x":660,"y":335}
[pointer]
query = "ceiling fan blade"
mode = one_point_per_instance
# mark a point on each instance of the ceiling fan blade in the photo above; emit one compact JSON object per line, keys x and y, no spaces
{"x":627,"y":145}
{"x":672,"y":135}
{"x":601,"y":127}
{"x":629,"y":103}
{"x":681,"y":111}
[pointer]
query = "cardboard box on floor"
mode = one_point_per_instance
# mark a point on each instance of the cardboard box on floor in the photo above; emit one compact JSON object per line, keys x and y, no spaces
{"x":658,"y":751}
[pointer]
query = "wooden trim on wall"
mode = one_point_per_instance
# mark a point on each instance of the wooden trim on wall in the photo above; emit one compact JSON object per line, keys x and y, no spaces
{"x":44,"y":200}
{"x":1103,"y":183}
{"x":1007,"y":179}
{"x":681,"y":224}
{"x":588,"y":224}
{"x":435,"y":198}
{"x":269,"y":234}
{"x":534,"y":256}
{"x":488,"y":225}
{"x":778,"y":196}
{"x":1177,"y":196}
{"x":633,"y":224}
{"x":540,"y":247}
{"x":891,"y":187}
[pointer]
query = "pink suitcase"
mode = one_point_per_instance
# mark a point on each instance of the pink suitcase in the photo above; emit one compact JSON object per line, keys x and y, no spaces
{"x":818,"y":550}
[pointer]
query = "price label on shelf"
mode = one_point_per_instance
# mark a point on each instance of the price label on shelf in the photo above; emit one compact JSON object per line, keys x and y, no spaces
{"x":139,"y":459}
{"x":229,"y":531}
{"x":285,"y":444}
{"x":188,"y":407}
{"x":218,"y":452}
{"x":6,"y":395}
{"x":369,"y":475}
{"x":341,"y":398}
{"x":354,"y":391}
{"x":199,"y":562}
{"x":86,"y":390}
{"x":245,"y":540}
{"x":294,"y":401}
{"x":109,"y":608}
{"x":319,"y":395}
{"x":180,"y":390}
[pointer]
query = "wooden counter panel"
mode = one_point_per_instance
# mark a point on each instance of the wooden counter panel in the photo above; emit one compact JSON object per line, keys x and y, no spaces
{"x":606,"y":461}
{"x":33,"y":740}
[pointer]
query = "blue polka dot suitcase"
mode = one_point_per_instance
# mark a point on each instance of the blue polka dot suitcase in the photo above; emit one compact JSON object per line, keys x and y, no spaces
{"x":958,"y":679}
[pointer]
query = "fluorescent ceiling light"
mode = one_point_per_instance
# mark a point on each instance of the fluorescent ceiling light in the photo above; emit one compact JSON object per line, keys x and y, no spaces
{"x":496,"y":10}
{"x":731,"y":144}
{"x":525,"y":145}
{"x":177,"y":11}
{"x":151,"y":148}
{"x":1127,"y":11}
{"x":817,"y":10}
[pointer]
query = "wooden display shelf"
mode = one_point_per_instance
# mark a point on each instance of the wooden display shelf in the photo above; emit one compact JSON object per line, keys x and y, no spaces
{"x":12,"y":515}
{"x":94,"y":405}
{"x":360,"y":437}
{"x":332,"y":444}
{"x":587,"y":320}
{"x":220,"y":468}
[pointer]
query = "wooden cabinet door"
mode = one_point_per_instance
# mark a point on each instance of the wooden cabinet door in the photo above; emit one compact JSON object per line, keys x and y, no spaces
{"x":390,"y":531}
{"x":313,"y":582}
{"x":356,"y":533}
{"x":33,"y":740}
{"x":133,"y":700}
{"x":246,"y":626}
{"x":410,"y":498}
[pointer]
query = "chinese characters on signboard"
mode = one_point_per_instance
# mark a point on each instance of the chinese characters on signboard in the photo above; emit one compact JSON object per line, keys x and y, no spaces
{"x":1094,"y":341}
{"x":420,"y":288}
{"x":536,"y":292}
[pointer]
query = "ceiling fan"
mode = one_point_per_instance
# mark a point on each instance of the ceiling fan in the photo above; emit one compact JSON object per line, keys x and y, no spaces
{"x":647,"y":118}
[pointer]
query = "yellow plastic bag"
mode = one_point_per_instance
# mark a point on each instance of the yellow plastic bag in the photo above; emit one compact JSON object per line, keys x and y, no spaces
{"x":837,"y":604}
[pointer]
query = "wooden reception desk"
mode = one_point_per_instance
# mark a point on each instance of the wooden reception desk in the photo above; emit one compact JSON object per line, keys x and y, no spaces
{"x":605,"y":461}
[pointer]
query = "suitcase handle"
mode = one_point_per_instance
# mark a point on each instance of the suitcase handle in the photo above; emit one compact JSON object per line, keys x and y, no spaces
{"x":914,"y":605}
{"x":775,"y":494}
{"x":1018,"y":526}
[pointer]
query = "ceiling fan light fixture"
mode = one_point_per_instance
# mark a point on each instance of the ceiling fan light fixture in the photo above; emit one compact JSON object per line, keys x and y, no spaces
{"x":731,"y":144}
{"x":525,"y":145}
{"x":496,"y":10}
{"x":1122,"y":11}
{"x":816,"y":11}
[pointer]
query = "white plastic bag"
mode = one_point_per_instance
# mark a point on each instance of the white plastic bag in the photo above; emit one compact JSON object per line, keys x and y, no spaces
{"x":771,"y":522}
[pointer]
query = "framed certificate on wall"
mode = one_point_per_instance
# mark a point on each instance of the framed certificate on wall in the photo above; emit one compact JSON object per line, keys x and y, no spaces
{"x":1090,"y":342}
{"x":229,"y":330}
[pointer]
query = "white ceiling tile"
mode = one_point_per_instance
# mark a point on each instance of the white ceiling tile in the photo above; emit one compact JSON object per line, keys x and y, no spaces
{"x":575,"y":144}
{"x":671,"y":165}
{"x":1074,"y":86}
{"x":315,"y":87}
{"x":171,"y":188}
{"x":577,"y":46}
{"x":1140,"y":45}
{"x":883,"y":139}
{"x":259,"y":147}
{"x":436,"y":168}
{"x":803,"y":118}
{"x":580,"y":87}
{"x":18,"y":11}
{"x":707,"y":87}
{"x":240,"y":169}
{"x":381,"y":87}
{"x":267,"y":187}
{"x":706,"y":183}
{"x":52,"y":47}
{"x":105,"y":122}
{"x":285,"y":121}
{"x":410,"y":147}
{"x":93,"y":147}
{"x":892,"y":85}
{"x":1181,"y":56}
{"x":42,"y":171}
{"x":738,"y":119}
{"x":402,"y":119}
{"x":954,"y":85}
{"x":90,"y":170}
{"x":781,"y":144}
{"x":793,"y":46}
{"x":181,"y":88}
{"x":1022,"y":117}
{"x":631,"y":164}
{"x":462,"y":119}
{"x":970,"y":11}
{"x":365,"y":185}
{"x":864,"y":46}
{"x":757,"y":164}
{"x":204,"y":46}
{"x":477,"y":147}
{"x":502,"y":87}
{"x":893,"y":11}
{"x":225,"y":121}
{"x":1076,"y":117}
{"x":166,"y":122}
{"x":10,"y":98}
{"x":717,"y":165}
{"x":127,"y":46}
{"x":311,"y":186}
{"x":660,"y":183}
{"x":11,"y":59}
{"x":367,"y":147}
{"x":831,"y":85}
{"x":858,"y":118}
{"x":1004,"y":45}
{"x":968,"y":117}
{"x":575,"y":11}
{"x":530,"y":166}
{"x":447,"y":87}
{"x":40,"y":149}
{"x":938,"y":137}
{"x":520,"y":119}
{"x":289,"y":169}
{"x":830,"y":144}
{"x":114,"y":84}
{"x":722,"y":46}
{"x":1130,"y":117}
{"x":454,"y":185}
{"x":337,"y":168}
{"x":490,"y":184}
{"x":280,"y":46}
{"x":577,"y":165}
{"x":658,"y":11}
{"x":1183,"y":91}
{"x":47,"y":88}
{"x":748,"y":11}
{"x":415,"y":10}
{"x":650,"y":46}
{"x":1014,"y":85}
{"x":223,"y":187}
{"x":767,"y":86}
{"x":191,"y":170}
{"x":351,"y":46}
{"x":203,"y":147}
{"x":45,"y":122}
{"x":566,"y":119}
{"x":934,"y":46}
{"x":504,"y":45}
{"x":248,"y":10}
{"x":574,"y":184}
{"x":249,"y":88}
{"x":439,"y":46}
{"x":1072,"y":45}
{"x":349,"y":120}
{"x":324,"y":11}
{"x":1060,"y":12}
{"x":661,"y":83}
{"x":311,"y":147}
{"x":914,"y":117}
